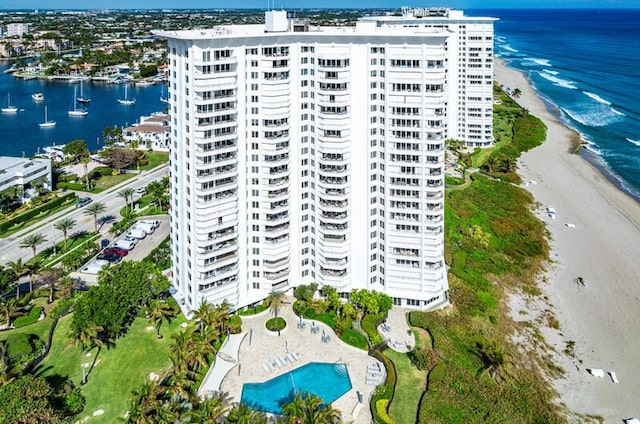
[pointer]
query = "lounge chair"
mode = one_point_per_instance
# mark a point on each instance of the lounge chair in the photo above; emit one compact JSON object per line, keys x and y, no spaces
{"x":292,"y":359}
{"x":279,"y":362}
{"x":265,"y":367}
{"x":596,"y":372}
{"x":614,"y":377}
{"x":296,"y":355}
{"x":271,"y":366}
{"x":285,"y":360}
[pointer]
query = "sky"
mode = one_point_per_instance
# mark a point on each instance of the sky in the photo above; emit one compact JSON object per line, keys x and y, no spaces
{"x":296,"y":4}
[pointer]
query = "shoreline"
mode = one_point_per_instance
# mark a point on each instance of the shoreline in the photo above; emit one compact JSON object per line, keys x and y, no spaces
{"x":585,"y":151}
{"x":595,"y":237}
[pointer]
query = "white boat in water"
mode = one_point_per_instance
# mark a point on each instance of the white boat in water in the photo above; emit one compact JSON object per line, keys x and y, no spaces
{"x":9,"y":108}
{"x":126,"y":101}
{"x":75,"y":111}
{"x":38,"y":97}
{"x":46,"y":123}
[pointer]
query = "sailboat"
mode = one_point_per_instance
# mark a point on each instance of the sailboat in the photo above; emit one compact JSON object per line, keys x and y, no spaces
{"x":76,"y":111}
{"x":82,"y":98}
{"x":47,"y":123}
{"x":9,"y":108}
{"x":163,"y":99}
{"x":126,"y":101}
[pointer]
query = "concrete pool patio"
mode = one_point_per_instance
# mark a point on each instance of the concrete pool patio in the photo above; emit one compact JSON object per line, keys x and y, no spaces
{"x":260,"y":346}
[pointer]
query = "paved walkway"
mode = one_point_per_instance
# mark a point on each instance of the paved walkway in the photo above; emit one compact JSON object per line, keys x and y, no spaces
{"x":261,"y":346}
{"x":396,"y":331}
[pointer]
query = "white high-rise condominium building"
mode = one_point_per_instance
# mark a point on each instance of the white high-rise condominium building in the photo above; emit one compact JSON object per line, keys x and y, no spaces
{"x":316,"y":154}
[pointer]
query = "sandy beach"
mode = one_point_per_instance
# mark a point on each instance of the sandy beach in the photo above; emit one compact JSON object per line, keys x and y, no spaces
{"x":601,"y":245}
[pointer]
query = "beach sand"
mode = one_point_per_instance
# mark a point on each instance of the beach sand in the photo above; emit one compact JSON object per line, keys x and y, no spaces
{"x":603,"y":316}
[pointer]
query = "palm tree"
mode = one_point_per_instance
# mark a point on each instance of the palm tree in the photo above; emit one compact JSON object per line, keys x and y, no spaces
{"x":18,"y":269}
{"x":85,"y":337}
{"x":9,"y":309}
{"x":145,"y":403}
{"x":85,"y":164}
{"x":516,"y":93}
{"x":64,"y":225}
{"x":32,"y":242}
{"x":95,"y":209}
{"x":157,"y":312}
{"x":203,"y":315}
{"x":51,"y":278}
{"x":242,"y":414}
{"x":209,"y":411}
{"x":275,"y":301}
{"x":495,"y":362}
{"x":127,"y":195}
{"x":157,"y":191}
{"x":33,"y":269}
{"x":308,"y":408}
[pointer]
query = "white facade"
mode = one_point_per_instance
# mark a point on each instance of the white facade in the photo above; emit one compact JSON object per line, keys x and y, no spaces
{"x":151,"y":132}
{"x":17,"y":29}
{"x":316,"y":154}
{"x":21,"y":171}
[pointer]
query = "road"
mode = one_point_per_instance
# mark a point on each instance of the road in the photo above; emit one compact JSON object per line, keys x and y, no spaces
{"x":10,"y":249}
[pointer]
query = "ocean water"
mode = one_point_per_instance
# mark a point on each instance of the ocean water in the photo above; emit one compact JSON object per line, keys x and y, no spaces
{"x":586,"y":64}
{"x":21,"y":135}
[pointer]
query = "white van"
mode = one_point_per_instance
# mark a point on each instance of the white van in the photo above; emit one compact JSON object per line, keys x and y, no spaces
{"x":137,"y":233}
{"x":150,"y":222}
{"x":95,"y":266}
{"x":125,"y":244}
{"x":144,"y":227}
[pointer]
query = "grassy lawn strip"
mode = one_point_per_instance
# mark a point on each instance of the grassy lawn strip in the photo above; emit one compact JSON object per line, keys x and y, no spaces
{"x":120,"y":369}
{"x":409,"y":386}
{"x":72,"y":244}
{"x":109,"y":181}
{"x":39,"y":328}
{"x":155,"y":159}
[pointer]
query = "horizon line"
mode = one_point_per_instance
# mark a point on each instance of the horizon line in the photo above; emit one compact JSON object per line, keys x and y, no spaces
{"x":303,"y":8}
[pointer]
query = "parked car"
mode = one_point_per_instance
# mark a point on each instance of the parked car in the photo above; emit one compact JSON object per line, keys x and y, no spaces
{"x":115,"y":251}
{"x":148,"y":229}
{"x":111,"y":257}
{"x":141,"y":189}
{"x":150,"y":222}
{"x":137,"y":233}
{"x":84,"y":201}
{"x":125,"y":244}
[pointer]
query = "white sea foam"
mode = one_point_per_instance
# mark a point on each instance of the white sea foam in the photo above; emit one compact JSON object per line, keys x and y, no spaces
{"x":509,"y":48}
{"x":558,"y":81}
{"x":501,"y":38}
{"x":593,"y":114}
{"x":635,"y":142}
{"x":549,"y":71}
{"x":597,"y":98}
{"x":617,"y":112}
{"x":539,"y":62}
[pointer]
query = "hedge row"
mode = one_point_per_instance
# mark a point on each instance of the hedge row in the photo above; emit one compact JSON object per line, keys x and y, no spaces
{"x":28,"y":319}
{"x":378,"y":408}
{"x":25,"y":216}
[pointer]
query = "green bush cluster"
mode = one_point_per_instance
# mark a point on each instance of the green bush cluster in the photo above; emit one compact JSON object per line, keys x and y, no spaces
{"x":384,"y":392}
{"x":32,"y":213}
{"x":370,"y":326}
{"x":28,"y":319}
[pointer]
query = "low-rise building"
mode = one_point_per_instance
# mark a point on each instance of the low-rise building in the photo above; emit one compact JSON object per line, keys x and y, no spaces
{"x":23,"y":172}
{"x":152,"y":132}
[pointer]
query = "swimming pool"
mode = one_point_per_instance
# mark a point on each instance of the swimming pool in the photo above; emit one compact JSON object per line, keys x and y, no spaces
{"x":327,"y":381}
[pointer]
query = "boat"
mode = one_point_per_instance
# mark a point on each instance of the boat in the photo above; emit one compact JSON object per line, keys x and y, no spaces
{"x":9,"y":108}
{"x":83,"y":98}
{"x":126,"y":101}
{"x":38,"y":97}
{"x":47,"y":123}
{"x":75,"y":111}
{"x":144,"y":83}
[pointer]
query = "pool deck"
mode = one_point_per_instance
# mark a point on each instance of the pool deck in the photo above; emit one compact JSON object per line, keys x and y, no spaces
{"x":261,"y":346}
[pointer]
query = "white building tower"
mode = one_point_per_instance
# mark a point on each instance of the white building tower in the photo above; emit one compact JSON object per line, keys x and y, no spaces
{"x":302,"y":154}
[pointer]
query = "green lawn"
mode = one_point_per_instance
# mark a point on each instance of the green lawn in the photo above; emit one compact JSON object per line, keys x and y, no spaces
{"x":109,"y":181}
{"x":72,"y":243}
{"x":40,"y":329}
{"x":117,"y":371}
{"x":155,"y":159}
{"x":409,"y":387}
{"x":36,"y":219}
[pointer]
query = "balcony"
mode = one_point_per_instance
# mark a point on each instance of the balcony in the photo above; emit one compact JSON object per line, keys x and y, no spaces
{"x":333,"y":272}
{"x":277,"y":240}
{"x":276,"y":275}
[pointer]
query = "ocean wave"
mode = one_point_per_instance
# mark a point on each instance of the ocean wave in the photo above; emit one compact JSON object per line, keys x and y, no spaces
{"x":558,"y":81}
{"x":593,"y":115}
{"x":597,"y":98}
{"x":537,"y":62}
{"x":617,"y":112}
{"x":501,"y":38}
{"x":634,"y":142}
{"x":509,"y":48}
{"x":549,"y":71}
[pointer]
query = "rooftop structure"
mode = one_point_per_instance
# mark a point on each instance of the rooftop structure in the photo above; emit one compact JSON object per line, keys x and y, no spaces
{"x":21,"y":172}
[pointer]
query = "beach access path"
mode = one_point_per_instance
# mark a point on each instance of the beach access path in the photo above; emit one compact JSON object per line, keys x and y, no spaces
{"x":601,"y":245}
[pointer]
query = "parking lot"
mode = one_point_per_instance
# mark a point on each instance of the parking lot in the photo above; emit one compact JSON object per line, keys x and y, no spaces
{"x":142,"y":249}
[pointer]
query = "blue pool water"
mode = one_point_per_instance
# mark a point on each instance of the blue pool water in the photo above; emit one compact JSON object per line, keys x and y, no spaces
{"x":327,"y":381}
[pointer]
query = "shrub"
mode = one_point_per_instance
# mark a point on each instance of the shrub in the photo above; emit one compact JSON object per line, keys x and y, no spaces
{"x":28,"y":319}
{"x":381,"y":407}
{"x":353,"y":338}
{"x":305,"y":292}
{"x":32,"y":213}
{"x":234,"y":324}
{"x":276,"y":324}
{"x":19,"y":344}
